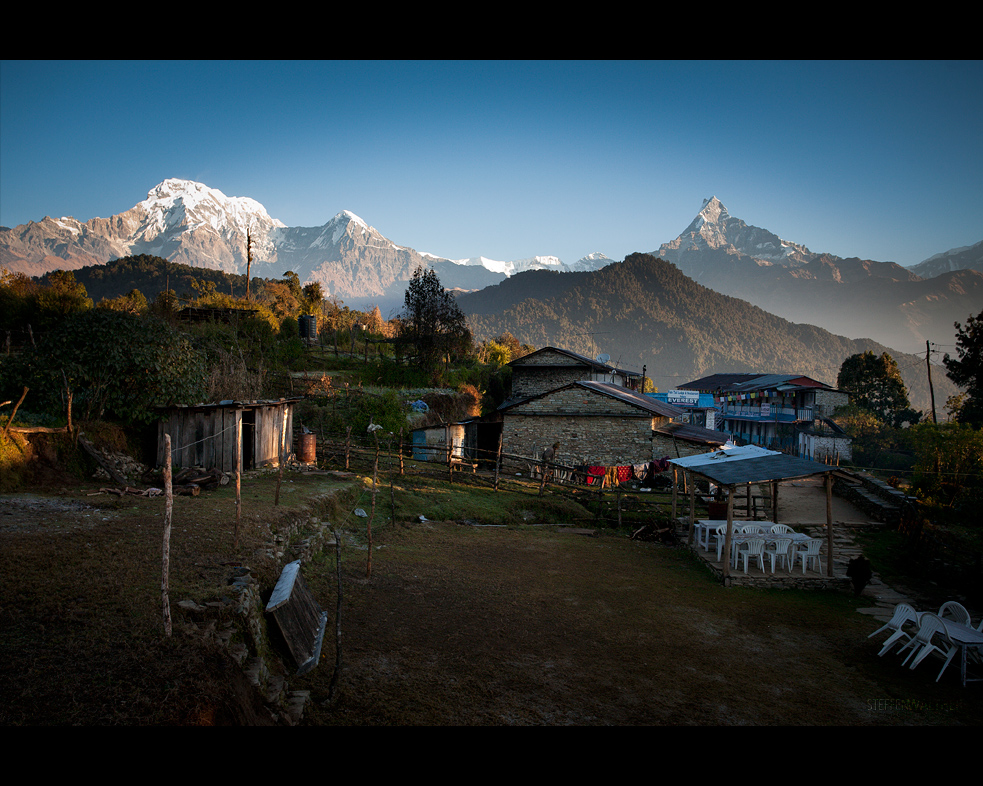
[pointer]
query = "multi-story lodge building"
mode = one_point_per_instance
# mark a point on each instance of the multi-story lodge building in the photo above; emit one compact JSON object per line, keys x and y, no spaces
{"x":789,"y":412}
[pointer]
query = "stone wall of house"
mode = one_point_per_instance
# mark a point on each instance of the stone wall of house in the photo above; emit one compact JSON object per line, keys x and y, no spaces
{"x":828,"y":400}
{"x":819,"y":448}
{"x":532,"y":380}
{"x":544,"y":371}
{"x":597,"y":440}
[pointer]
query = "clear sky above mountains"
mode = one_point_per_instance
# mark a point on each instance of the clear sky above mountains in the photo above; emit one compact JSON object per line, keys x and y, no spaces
{"x":514,"y":159}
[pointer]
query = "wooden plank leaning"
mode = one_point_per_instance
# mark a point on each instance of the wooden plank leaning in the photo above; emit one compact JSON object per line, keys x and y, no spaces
{"x":298,"y":616}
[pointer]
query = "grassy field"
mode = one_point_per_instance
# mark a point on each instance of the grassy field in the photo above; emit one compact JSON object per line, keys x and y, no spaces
{"x":507,"y":619}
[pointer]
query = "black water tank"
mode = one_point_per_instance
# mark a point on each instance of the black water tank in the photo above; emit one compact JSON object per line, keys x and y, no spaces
{"x":308,"y":327}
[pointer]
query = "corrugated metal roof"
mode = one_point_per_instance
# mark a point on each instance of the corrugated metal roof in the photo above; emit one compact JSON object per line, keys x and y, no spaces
{"x":626,"y":395}
{"x":692,"y":433}
{"x":634,"y":398}
{"x":745,"y":383}
{"x":754,"y":468}
{"x":718,"y":381}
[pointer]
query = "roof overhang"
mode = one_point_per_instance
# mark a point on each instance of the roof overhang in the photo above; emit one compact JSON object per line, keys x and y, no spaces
{"x":750,"y":464}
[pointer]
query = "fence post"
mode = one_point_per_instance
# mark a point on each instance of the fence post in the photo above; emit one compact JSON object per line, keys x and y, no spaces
{"x":166,"y":560}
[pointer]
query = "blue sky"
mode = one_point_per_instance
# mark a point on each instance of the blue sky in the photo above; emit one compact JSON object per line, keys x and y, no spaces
{"x":508,"y":160}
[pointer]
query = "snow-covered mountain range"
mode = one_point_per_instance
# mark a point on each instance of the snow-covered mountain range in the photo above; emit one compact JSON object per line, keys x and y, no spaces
{"x":192,"y":224}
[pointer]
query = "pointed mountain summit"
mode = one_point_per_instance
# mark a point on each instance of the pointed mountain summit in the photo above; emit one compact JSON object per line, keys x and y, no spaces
{"x":715,"y":228}
{"x":852,"y":297}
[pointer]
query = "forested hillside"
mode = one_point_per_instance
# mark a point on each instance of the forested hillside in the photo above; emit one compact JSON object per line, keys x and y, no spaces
{"x":646,"y":312}
{"x":152,"y":275}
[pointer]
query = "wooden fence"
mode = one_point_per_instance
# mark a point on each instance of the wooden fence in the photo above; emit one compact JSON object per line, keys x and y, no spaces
{"x":621,"y":505}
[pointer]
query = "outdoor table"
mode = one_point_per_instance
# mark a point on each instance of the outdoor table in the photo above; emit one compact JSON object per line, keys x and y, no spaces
{"x":965,"y":638}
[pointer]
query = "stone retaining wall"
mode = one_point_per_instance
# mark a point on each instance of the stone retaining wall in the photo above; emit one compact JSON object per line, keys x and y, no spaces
{"x":238,"y":624}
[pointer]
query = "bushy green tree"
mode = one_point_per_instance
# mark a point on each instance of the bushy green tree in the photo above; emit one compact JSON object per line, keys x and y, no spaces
{"x":967,"y":370}
{"x":949,"y":465}
{"x":432,"y":322}
{"x":59,"y":297}
{"x":115,"y":365}
{"x":132,"y":303}
{"x":874,"y":384}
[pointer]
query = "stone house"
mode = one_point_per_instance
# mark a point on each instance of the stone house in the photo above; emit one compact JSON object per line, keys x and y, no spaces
{"x":595,"y":423}
{"x":550,"y":368}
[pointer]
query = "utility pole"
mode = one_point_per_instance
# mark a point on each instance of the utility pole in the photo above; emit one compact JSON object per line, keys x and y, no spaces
{"x":931,"y":390}
{"x":249,"y":260}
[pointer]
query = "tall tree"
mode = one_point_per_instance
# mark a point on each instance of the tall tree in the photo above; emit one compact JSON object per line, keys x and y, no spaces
{"x":874,"y":384}
{"x":433,"y":324}
{"x":59,"y":297}
{"x":967,"y":370}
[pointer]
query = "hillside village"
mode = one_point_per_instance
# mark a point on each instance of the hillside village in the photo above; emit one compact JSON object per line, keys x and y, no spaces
{"x":279,"y":378}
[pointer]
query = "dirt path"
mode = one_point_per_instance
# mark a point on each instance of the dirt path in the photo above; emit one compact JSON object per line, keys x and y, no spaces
{"x":802,"y":504}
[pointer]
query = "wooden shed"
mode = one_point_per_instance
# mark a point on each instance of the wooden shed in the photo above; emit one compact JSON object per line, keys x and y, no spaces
{"x":229,"y":435}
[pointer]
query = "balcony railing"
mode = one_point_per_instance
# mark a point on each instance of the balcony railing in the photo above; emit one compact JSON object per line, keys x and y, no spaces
{"x":774,"y":414}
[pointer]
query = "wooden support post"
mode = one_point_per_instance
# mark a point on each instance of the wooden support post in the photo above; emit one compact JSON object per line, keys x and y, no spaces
{"x":675,"y":482}
{"x":237,"y":463}
{"x":375,"y":486}
{"x":829,"y":525}
{"x":692,"y":498}
{"x":166,"y":560}
{"x":498,"y":459}
{"x":730,"y":531}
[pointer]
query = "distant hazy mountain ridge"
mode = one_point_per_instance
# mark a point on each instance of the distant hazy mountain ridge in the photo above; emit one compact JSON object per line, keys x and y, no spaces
{"x":852,"y":297}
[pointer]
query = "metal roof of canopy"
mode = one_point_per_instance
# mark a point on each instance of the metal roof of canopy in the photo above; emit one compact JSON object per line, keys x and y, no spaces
{"x":734,"y":469}
{"x":750,"y":464}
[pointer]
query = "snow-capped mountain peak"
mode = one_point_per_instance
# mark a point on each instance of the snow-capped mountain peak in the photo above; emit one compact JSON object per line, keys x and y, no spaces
{"x":714,"y":227}
{"x":175,"y":202}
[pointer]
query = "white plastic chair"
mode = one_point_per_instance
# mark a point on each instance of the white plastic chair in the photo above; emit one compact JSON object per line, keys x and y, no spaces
{"x":721,"y":535}
{"x":778,"y":550}
{"x":927,"y":627}
{"x":752,"y":548}
{"x":956,"y":612}
{"x":903,"y":614}
{"x":932,"y":627}
{"x":808,"y":551}
{"x":780,"y":529}
{"x":751,"y":529}
{"x":714,"y":533}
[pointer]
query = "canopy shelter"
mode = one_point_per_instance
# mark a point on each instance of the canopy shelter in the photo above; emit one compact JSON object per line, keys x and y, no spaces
{"x":734,"y":467}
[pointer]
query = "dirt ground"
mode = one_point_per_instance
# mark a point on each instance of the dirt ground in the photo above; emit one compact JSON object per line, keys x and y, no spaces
{"x":457,"y":625}
{"x":804,"y":502}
